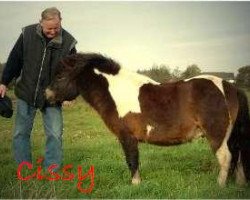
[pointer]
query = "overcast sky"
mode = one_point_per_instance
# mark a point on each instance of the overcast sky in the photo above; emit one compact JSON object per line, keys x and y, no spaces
{"x":213,"y":35}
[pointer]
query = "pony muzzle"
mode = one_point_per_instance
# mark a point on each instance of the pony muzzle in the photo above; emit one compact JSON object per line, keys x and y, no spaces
{"x":50,"y":95}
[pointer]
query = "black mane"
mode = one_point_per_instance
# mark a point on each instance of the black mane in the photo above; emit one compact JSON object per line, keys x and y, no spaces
{"x":90,"y":61}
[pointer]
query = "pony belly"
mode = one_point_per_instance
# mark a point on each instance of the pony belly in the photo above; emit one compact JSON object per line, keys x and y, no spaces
{"x":160,"y":134}
{"x":173,"y":137}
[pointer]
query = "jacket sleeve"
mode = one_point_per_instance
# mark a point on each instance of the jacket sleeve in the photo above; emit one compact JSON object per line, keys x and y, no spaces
{"x":14,"y":63}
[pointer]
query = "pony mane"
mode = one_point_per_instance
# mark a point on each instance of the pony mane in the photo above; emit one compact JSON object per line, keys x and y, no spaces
{"x":93,"y":61}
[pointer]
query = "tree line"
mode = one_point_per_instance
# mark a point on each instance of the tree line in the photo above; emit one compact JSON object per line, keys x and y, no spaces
{"x":163,"y":73}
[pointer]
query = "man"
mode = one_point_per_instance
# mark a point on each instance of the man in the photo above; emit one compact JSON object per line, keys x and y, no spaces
{"x":32,"y":62}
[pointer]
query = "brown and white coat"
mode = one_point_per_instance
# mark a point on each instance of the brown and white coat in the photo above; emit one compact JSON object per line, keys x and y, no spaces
{"x":138,"y":109}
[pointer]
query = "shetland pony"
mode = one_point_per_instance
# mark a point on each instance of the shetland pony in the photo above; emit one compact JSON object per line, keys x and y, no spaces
{"x":138,"y":109}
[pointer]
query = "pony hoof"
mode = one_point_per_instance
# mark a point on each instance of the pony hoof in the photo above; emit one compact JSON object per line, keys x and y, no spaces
{"x":221,"y":183}
{"x":241,"y":183}
{"x":136,"y":181}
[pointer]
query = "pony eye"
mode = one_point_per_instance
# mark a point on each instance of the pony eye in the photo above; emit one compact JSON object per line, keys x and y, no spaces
{"x":60,"y":77}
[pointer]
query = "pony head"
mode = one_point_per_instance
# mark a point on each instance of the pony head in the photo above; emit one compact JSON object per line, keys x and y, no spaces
{"x":75,"y":70}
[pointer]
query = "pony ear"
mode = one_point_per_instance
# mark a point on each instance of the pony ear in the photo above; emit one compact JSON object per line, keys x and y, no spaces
{"x":66,"y":63}
{"x":93,"y":61}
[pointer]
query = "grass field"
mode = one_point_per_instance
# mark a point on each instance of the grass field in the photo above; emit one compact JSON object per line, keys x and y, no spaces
{"x":186,"y":171}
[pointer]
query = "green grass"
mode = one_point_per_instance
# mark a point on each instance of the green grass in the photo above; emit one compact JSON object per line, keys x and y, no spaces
{"x":186,"y":171}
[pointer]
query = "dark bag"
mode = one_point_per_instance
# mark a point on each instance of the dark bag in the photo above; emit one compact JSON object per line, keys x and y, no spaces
{"x":6,"y":107}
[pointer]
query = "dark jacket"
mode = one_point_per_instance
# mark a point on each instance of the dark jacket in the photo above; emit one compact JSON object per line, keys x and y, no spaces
{"x":33,"y":61}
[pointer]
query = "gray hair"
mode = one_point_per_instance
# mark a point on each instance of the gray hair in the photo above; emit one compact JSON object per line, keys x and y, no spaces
{"x":51,"y":13}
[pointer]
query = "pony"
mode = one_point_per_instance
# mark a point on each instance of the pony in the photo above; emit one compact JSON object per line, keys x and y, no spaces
{"x":138,"y":109}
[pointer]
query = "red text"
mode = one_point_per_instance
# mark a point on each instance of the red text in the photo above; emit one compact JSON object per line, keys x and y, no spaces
{"x":54,"y":176}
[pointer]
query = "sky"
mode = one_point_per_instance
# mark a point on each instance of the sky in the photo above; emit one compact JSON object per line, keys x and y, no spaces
{"x":214,"y":35}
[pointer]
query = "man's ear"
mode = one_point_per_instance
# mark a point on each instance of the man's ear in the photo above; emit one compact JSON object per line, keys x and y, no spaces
{"x":41,"y":22}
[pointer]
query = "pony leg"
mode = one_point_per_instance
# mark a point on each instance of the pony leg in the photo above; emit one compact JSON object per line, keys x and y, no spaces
{"x":224,"y":157}
{"x":130,"y":148}
{"x":240,"y":175}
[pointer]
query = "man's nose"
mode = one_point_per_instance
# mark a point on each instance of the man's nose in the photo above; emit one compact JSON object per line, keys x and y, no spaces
{"x":52,"y":31}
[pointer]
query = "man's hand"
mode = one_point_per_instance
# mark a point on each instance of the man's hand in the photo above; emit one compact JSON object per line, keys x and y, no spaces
{"x":3,"y":89}
{"x":68,"y":103}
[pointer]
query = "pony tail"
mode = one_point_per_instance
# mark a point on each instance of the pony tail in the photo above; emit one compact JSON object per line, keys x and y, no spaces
{"x":244,"y":131}
{"x":240,"y":136}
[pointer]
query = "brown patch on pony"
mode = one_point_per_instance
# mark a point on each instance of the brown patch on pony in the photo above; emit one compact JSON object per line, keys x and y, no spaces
{"x":177,"y":111}
{"x":135,"y":122}
{"x":207,"y":98}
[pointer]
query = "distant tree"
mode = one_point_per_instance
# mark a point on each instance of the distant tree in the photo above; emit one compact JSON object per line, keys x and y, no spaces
{"x":163,"y":73}
{"x":176,"y":74}
{"x":158,"y":73}
{"x":191,"y":71}
{"x":243,"y":77}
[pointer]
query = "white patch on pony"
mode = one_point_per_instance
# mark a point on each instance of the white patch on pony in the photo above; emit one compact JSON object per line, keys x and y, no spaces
{"x":124,"y":88}
{"x":240,"y":175}
{"x":149,"y":128}
{"x":216,"y":80}
{"x":224,"y":158}
{"x":136,"y":180}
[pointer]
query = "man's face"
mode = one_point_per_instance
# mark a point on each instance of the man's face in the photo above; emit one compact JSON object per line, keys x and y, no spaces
{"x":51,"y":28}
